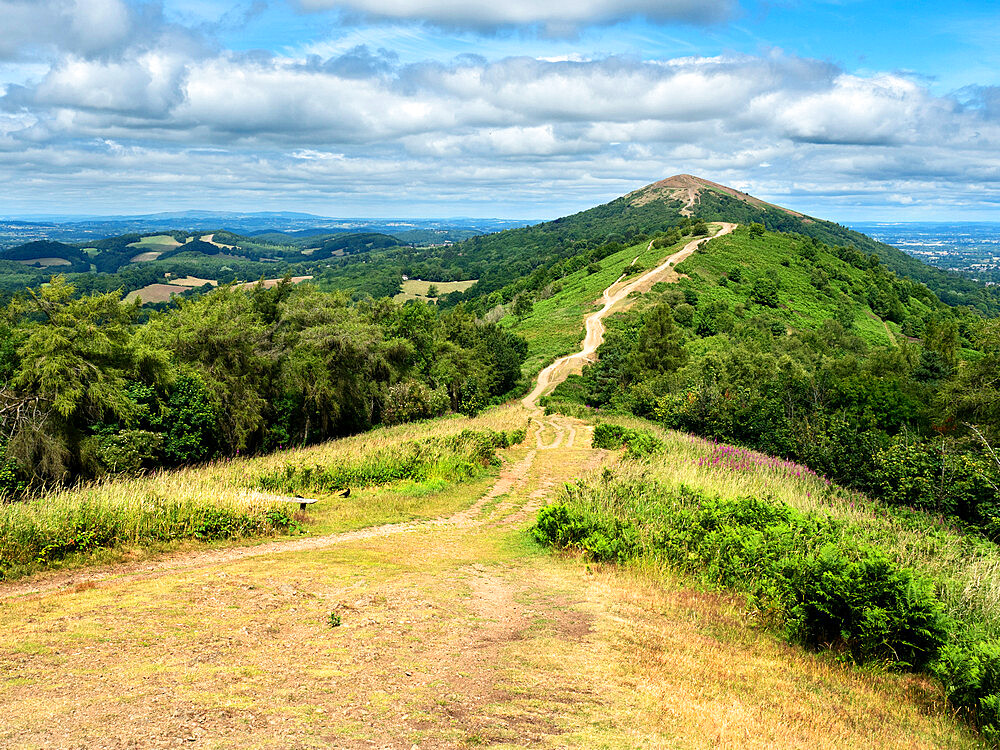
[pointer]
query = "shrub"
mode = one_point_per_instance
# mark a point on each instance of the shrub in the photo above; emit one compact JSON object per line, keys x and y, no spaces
{"x":867,"y":605}
{"x":830,"y":592}
{"x":638,"y":443}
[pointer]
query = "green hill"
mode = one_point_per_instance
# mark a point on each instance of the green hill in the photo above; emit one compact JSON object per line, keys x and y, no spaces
{"x":498,"y":259}
{"x":46,"y":254}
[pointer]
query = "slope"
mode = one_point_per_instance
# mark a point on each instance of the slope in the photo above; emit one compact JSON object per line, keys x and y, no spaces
{"x":498,"y":260}
{"x":452,"y":633}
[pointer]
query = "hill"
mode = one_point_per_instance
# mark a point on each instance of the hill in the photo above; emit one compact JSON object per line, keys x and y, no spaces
{"x":45,"y":254}
{"x":841,"y":374}
{"x":499,"y":259}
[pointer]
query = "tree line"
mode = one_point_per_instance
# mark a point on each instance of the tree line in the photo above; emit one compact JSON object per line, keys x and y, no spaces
{"x":89,"y":385}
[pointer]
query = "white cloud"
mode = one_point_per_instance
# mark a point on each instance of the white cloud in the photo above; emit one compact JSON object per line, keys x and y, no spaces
{"x":555,"y":16}
{"x":81,"y":26}
{"x":162,"y":122}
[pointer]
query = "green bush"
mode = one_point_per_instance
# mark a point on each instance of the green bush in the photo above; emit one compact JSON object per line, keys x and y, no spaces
{"x":638,"y":443}
{"x":970,"y":674}
{"x":869,"y":605}
{"x":830,"y":591}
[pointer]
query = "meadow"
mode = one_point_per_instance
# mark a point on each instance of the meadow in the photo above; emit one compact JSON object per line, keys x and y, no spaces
{"x":395,"y":474}
{"x":418,"y":288}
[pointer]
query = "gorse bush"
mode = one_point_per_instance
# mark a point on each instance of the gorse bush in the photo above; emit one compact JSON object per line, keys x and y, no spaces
{"x":455,"y":457}
{"x":829,"y":590}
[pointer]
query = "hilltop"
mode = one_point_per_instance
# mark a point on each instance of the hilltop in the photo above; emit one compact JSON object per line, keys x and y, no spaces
{"x":498,"y":259}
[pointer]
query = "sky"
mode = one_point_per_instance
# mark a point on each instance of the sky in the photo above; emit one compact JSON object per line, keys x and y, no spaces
{"x":850,"y":110}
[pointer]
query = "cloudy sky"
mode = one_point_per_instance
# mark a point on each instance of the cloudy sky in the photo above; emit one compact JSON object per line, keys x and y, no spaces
{"x":846,"y":109}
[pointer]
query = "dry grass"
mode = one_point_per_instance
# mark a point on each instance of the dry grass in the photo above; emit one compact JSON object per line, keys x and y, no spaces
{"x":192,"y":281}
{"x":417,"y":288}
{"x":708,"y":681}
{"x":966,"y":567}
{"x":45,"y":262}
{"x":451,"y":637}
{"x":155,"y":293}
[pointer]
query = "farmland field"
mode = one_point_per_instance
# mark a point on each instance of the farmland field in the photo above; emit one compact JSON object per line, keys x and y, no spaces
{"x":417,"y":288}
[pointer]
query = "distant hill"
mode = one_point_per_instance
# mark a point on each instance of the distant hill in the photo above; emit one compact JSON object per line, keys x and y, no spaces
{"x":45,"y":254}
{"x":498,"y":259}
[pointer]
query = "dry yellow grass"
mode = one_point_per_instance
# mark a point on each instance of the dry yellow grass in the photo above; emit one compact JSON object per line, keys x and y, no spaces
{"x":451,"y":637}
{"x":706,"y":680}
{"x":417,"y":288}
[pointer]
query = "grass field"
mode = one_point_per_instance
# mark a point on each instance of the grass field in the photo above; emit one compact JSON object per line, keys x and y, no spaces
{"x":965,"y":567}
{"x":192,"y":281}
{"x":155,"y":293}
{"x":160,"y":242}
{"x":555,"y":326}
{"x":138,"y":506}
{"x":417,"y":288}
{"x":448,"y":637}
{"x":45,"y":262}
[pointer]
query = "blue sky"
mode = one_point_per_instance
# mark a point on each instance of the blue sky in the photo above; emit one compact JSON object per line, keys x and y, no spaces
{"x":845,"y":109}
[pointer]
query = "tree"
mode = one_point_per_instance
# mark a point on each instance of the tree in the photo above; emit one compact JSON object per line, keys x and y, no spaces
{"x":432,"y":291}
{"x":765,"y":292}
{"x":661,"y":344}
{"x":74,"y":367}
{"x":523,"y":306}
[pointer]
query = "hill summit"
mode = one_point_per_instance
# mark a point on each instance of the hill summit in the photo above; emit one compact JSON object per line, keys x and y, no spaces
{"x":688,"y":188}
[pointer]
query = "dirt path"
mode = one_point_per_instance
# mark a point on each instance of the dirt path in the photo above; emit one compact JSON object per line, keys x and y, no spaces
{"x":556,"y":372}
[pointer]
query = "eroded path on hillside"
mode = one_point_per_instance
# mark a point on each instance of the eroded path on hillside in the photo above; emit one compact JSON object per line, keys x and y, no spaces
{"x":556,"y":372}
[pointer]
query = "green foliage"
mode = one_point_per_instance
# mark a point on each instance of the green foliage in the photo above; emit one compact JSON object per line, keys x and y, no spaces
{"x":660,"y":348}
{"x":40,"y":533}
{"x":970,"y":674}
{"x":638,"y":443}
{"x":88,"y":390}
{"x":457,"y":457}
{"x":829,"y":591}
{"x":120,"y":452}
{"x":819,"y":380}
{"x":333,"y":620}
{"x":764,"y":292}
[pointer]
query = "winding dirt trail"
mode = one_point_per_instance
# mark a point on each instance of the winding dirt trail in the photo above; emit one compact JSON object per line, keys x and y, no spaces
{"x":556,"y":372}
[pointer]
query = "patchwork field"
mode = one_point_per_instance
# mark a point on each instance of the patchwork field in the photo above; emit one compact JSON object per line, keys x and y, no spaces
{"x":417,"y":288}
{"x":45,"y":262}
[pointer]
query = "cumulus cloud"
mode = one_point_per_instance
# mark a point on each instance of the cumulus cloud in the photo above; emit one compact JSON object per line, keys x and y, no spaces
{"x":162,"y":121}
{"x":554,"y":16}
{"x":83,"y":27}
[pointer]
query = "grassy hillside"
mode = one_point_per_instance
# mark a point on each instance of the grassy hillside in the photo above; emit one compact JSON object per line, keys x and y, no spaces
{"x":812,"y":284}
{"x":952,"y":288}
{"x":554,"y":326}
{"x":459,"y":633}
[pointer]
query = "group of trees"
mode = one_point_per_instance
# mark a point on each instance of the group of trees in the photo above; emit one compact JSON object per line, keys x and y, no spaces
{"x":85,"y":388}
